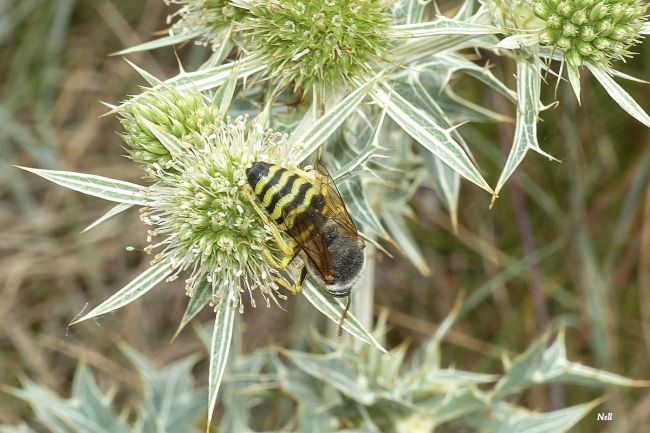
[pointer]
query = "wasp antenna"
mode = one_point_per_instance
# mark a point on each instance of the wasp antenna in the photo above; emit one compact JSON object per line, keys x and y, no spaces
{"x":345,"y":313}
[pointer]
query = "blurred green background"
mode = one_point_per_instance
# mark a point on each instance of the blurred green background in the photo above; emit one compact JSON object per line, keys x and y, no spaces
{"x":565,"y":241}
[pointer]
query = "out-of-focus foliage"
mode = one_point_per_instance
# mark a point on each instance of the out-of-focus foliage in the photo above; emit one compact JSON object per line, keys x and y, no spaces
{"x":169,"y":402}
{"x":334,"y":388}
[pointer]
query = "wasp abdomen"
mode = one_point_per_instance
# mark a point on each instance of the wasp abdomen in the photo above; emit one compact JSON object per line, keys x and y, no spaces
{"x":284,"y":194}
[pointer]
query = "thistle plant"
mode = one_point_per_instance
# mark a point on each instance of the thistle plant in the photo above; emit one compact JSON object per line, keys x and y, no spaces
{"x":379,"y":108}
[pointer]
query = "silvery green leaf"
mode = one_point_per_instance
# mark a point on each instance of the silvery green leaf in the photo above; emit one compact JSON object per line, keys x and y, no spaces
{"x":333,"y":310}
{"x":506,"y":418}
{"x":574,"y":79}
{"x":165,"y":41}
{"x":444,"y":26}
{"x":174,"y":146}
{"x":619,"y":95}
{"x":465,"y":11}
{"x":356,"y":201}
{"x":455,"y":62}
{"x":333,"y":118}
{"x":410,"y":11}
{"x":68,"y":412}
{"x":529,"y":81}
{"x":518,"y":41}
{"x":219,"y":349}
{"x":96,"y":408}
{"x":403,"y":237}
{"x":206,"y":79}
{"x":625,"y":76}
{"x":226,"y":92}
{"x":171,"y":402}
{"x":456,"y":403}
{"x":421,"y":48}
{"x":152,"y":80}
{"x":222,"y":51}
{"x":132,"y":291}
{"x":541,"y":365}
{"x":336,"y":371}
{"x":433,"y":347}
{"x":419,"y":125}
{"x":97,"y":186}
{"x":117,"y":209}
{"x":200,"y":298}
{"x":446,"y":181}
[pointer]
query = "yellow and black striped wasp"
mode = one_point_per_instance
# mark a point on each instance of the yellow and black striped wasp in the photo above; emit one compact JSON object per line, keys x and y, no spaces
{"x":308,"y":207}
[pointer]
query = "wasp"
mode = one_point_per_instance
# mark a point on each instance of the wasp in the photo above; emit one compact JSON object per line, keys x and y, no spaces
{"x":307,"y":206}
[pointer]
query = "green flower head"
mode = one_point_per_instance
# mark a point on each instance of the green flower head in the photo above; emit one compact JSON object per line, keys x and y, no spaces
{"x":598,"y":31}
{"x":202,"y":219}
{"x":324,"y":42}
{"x":173,"y":111}
{"x":207,"y":18}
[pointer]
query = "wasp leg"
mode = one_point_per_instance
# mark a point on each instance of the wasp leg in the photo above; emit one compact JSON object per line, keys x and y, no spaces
{"x":293,"y":288}
{"x":287,"y":248}
{"x":310,"y":175}
{"x":283,"y":264}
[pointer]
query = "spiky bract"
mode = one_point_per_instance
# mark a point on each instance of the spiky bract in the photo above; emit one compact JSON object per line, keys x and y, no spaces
{"x":324,"y":42}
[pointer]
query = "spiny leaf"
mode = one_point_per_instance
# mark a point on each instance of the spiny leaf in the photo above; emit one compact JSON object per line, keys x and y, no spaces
{"x":619,"y":95}
{"x":511,"y":419}
{"x":529,"y":81}
{"x":336,"y":371}
{"x":333,"y":309}
{"x":219,"y":349}
{"x":206,"y":79}
{"x":165,"y":41}
{"x":333,"y":118}
{"x":132,"y":291}
{"x":444,"y":26}
{"x":97,"y":186}
{"x":419,"y":125}
{"x":200,"y":298}
{"x":117,"y":209}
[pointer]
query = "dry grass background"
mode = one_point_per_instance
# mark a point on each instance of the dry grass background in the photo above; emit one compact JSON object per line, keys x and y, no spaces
{"x":595,"y":206}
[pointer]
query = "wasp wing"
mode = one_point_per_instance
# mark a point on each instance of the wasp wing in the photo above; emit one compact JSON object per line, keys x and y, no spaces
{"x":306,"y":231}
{"x":334,"y":207}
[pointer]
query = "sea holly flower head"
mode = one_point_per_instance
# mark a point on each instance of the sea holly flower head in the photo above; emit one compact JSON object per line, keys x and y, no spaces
{"x":599,"y":31}
{"x":168,"y":110}
{"x":206,"y":18}
{"x":512,"y":14}
{"x":323,"y":42}
{"x":202,"y":220}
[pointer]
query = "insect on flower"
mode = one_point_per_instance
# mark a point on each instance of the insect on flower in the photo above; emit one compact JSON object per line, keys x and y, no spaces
{"x":308,"y":207}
